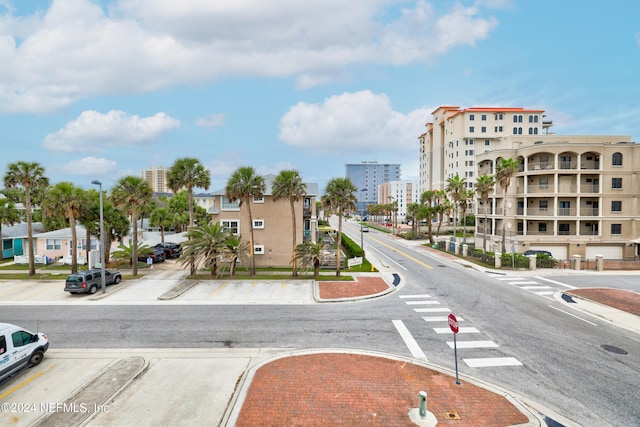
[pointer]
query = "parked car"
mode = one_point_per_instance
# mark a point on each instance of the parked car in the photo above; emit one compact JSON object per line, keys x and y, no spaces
{"x":171,"y":250}
{"x":89,"y":281}
{"x":19,"y":348}
{"x":156,"y":255}
{"x":538,"y":252}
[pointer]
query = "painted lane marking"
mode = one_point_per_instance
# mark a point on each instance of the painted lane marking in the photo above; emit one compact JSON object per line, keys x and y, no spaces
{"x":492,"y":361}
{"x":401,"y":253}
{"x":473,"y":344}
{"x":388,"y":258}
{"x":432,"y":310}
{"x":415,"y":296}
{"x":531,"y":288}
{"x":573,"y":315}
{"x":545,"y":293}
{"x":524,"y":282}
{"x":467,"y":330}
{"x":556,"y":283}
{"x":421,"y":302}
{"x":441,"y":319}
{"x":408,"y":339}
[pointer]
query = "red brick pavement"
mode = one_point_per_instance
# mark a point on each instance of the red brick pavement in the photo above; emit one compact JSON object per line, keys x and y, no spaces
{"x":363,"y":286}
{"x":332,"y":389}
{"x":622,"y":300}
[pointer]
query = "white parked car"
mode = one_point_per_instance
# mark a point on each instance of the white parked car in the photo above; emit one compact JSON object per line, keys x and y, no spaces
{"x":19,"y":348}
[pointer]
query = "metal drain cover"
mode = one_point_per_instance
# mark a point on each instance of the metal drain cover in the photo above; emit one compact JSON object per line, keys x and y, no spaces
{"x":452,"y":415}
{"x":614,"y":349}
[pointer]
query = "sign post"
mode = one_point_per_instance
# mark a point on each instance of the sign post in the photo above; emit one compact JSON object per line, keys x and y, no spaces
{"x":453,"y":324}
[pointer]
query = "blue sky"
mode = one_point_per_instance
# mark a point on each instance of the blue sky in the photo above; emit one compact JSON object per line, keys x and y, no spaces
{"x":103,"y":89}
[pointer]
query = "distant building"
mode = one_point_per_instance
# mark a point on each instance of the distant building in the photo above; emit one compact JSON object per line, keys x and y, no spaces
{"x":403,"y":192}
{"x":368,"y":176}
{"x":156,"y":177}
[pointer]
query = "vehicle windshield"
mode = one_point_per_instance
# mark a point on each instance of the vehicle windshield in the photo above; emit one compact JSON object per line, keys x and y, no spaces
{"x":77,"y":279}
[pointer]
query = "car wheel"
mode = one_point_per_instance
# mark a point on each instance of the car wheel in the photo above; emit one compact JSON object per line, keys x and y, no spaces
{"x":117,"y":280}
{"x":36,"y":358}
{"x":93,"y":289}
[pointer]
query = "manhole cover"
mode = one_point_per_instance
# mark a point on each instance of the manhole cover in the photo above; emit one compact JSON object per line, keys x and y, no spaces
{"x":614,"y":349}
{"x":452,"y":415}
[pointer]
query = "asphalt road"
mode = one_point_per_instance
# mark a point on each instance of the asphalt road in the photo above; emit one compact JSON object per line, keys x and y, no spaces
{"x":563,"y":365}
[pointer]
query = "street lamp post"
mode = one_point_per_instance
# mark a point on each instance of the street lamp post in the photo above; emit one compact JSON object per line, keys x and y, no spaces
{"x":104,"y":283}
{"x":362,"y":220}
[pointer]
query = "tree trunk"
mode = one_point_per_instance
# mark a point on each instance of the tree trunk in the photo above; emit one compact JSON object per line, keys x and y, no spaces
{"x":27,"y":205}
{"x":134,"y":244}
{"x":252,"y":271}
{"x":293,"y":217}
{"x":339,"y":243}
{"x":74,"y":245}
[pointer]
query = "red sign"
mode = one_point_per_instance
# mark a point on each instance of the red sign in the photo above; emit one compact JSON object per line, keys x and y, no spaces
{"x":453,"y":323}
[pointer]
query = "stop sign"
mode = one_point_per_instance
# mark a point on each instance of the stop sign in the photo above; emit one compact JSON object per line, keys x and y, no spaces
{"x":453,"y":323}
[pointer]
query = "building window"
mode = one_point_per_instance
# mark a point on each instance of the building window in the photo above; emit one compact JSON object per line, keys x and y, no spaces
{"x":563,"y":229}
{"x":258,"y":249}
{"x":54,"y":244}
{"x":515,"y":130}
{"x":544,"y":204}
{"x":483,"y":129}
{"x":530,"y":131}
{"x":483,"y":117}
{"x":616,"y":183}
{"x":258,"y":199}
{"x":616,"y":206}
{"x":616,"y":159}
{"x":258,"y":223}
{"x":228,"y":205}
{"x":231,"y":224}
{"x":519,"y":131}
{"x":498,"y":116}
{"x":515,"y":119}
{"x":616,"y":228}
{"x":83,"y":244}
{"x":487,"y":142}
{"x":472,"y":117}
{"x":542,"y":227}
{"x":471,"y":129}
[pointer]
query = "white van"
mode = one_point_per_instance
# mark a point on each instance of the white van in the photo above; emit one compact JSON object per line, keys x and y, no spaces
{"x":19,"y":348}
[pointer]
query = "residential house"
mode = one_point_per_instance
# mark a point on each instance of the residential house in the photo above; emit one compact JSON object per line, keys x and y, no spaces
{"x":15,"y":241}
{"x":57,"y":244}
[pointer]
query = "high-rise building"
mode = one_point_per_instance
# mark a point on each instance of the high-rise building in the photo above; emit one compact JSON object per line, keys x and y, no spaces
{"x":401,"y":193}
{"x":367,"y":176}
{"x":156,"y":177}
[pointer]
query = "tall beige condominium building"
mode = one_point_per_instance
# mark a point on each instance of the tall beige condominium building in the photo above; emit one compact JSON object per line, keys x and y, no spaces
{"x":156,"y":177}
{"x":572,"y":195}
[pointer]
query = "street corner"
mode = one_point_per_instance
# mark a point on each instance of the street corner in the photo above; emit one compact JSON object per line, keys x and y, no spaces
{"x":362,"y":287}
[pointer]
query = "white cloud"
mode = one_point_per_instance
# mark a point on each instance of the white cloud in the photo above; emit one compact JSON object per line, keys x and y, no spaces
{"x":358,"y":122}
{"x":88,"y":166}
{"x":213,"y":120}
{"x":77,"y":49}
{"x":93,"y":131}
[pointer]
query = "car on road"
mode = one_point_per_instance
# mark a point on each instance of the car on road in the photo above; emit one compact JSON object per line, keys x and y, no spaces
{"x":89,"y":281}
{"x":171,"y":250}
{"x":19,"y":348}
{"x":157,"y":255}
{"x":365,"y":228}
{"x":538,"y":252}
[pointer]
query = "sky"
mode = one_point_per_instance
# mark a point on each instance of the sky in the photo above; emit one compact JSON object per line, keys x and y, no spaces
{"x":104,"y":89}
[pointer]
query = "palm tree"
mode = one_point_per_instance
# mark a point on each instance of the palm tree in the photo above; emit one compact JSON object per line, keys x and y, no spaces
{"x":312,"y":255}
{"x":505,"y":169}
{"x":132,"y":194}
{"x":204,"y":246}
{"x":427,"y":211}
{"x":28,"y":176}
{"x":67,"y":199}
{"x":340,"y":196}
{"x":188,"y":173}
{"x":465,"y":200}
{"x":8,"y":215}
{"x":412,"y":215}
{"x":484,"y":187}
{"x":243,"y":186}
{"x":234,"y":250}
{"x":163,"y":218}
{"x":455,"y":186}
{"x":288,"y":185}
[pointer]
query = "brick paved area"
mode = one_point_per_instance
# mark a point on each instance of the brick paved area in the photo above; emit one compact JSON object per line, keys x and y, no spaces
{"x":622,"y":300}
{"x":332,"y":389}
{"x":362,"y":286}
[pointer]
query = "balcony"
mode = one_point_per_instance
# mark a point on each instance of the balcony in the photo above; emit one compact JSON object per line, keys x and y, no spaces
{"x":589,"y":188}
{"x":539,"y":211}
{"x":566,"y":212}
{"x":568,"y":164}
{"x":589,"y":165}
{"x":589,"y":211}
{"x":536,"y":166}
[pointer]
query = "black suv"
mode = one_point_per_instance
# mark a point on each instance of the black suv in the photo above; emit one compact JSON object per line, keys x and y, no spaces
{"x":171,"y":250}
{"x":157,"y":255}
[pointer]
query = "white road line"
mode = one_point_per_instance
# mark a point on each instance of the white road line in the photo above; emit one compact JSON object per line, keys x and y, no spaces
{"x":545,"y":293}
{"x":467,"y":330}
{"x":492,"y":361}
{"x":380,"y":253}
{"x":573,"y":315}
{"x":524,"y":282}
{"x":421,"y":302}
{"x":510,"y":278}
{"x":556,"y":283}
{"x":432,"y":310}
{"x":415,"y":296}
{"x":408,"y":339}
{"x":531,"y":288}
{"x":441,"y":319}
{"x":473,"y":344}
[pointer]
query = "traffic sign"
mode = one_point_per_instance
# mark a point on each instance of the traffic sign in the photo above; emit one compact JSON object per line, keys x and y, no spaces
{"x":453,"y":323}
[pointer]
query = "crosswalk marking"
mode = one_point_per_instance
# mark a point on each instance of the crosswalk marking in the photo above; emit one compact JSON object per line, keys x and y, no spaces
{"x":546,"y":293}
{"x":531,"y":288}
{"x":473,"y":344}
{"x":440,"y":319}
{"x":421,"y":302}
{"x":462,"y":330}
{"x":415,"y":296}
{"x":432,"y":310}
{"x":523,"y":282}
{"x":492,"y":361}
{"x":408,"y":339}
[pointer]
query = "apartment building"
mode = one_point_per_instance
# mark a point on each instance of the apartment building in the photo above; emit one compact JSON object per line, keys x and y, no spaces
{"x":272,"y":223}
{"x":401,"y":192}
{"x":572,"y":195}
{"x":156,"y":177}
{"x":367,"y":177}
{"x":455,"y":136}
